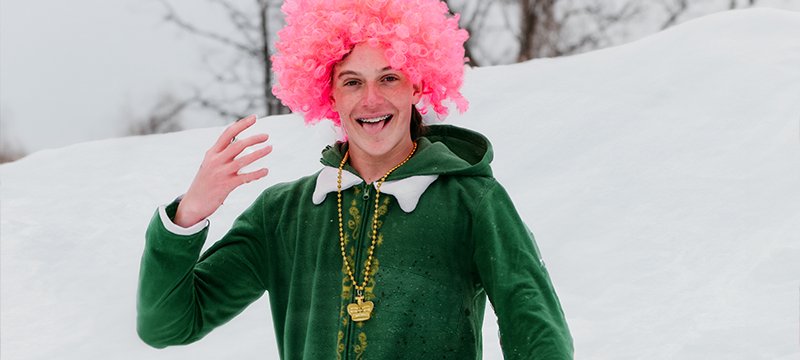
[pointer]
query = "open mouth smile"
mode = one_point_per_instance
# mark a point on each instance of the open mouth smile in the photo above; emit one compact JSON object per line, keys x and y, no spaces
{"x":374,"y":125}
{"x":374,"y":120}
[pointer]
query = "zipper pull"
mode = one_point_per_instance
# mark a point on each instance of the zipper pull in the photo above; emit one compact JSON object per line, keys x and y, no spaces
{"x":366,"y":191}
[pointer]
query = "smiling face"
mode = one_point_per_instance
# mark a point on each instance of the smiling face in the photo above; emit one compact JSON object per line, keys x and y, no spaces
{"x":374,"y":103}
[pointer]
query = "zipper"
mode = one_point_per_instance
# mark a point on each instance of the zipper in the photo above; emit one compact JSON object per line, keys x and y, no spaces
{"x":365,"y":220}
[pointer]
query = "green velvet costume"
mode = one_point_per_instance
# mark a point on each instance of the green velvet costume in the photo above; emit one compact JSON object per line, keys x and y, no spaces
{"x":450,"y":237}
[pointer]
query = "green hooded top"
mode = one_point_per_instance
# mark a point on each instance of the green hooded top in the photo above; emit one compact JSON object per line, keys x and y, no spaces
{"x":448,"y":237}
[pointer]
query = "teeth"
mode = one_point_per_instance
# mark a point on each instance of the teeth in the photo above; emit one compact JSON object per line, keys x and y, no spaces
{"x":374,"y":120}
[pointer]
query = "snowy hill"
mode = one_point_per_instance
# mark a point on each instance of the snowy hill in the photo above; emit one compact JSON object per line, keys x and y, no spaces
{"x":661,"y":178}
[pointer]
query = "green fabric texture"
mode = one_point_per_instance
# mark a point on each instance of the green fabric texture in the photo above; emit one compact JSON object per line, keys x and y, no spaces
{"x":431,"y":273}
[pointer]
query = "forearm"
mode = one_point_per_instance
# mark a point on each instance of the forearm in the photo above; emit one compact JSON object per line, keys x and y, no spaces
{"x":532,"y":323}
{"x":166,"y":297}
{"x":182,"y":298}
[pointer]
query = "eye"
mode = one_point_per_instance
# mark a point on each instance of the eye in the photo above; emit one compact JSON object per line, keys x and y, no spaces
{"x":391,"y":78}
{"x":350,"y":82}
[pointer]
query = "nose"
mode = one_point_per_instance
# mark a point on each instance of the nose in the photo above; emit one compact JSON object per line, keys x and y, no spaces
{"x":373,"y":95}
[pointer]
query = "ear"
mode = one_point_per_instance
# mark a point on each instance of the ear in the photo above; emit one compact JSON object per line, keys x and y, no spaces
{"x":417,"y":93}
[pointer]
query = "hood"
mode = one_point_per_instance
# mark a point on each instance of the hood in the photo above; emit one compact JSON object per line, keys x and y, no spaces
{"x":443,"y":150}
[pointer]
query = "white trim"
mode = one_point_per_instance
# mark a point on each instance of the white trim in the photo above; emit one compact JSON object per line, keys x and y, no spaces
{"x":177,"y":229}
{"x":327,"y":182}
{"x":407,"y":191}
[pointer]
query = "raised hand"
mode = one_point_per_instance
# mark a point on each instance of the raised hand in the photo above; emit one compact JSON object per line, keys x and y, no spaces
{"x":220,"y":173}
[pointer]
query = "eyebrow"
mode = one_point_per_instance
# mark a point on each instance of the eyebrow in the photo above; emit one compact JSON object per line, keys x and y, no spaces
{"x":351,"y":72}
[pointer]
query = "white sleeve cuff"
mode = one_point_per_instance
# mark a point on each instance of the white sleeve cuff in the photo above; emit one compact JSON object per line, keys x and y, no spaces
{"x":177,"y":229}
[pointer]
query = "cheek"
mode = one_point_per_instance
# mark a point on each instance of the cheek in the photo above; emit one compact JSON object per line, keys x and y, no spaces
{"x":340,"y":102}
{"x":403,"y":96}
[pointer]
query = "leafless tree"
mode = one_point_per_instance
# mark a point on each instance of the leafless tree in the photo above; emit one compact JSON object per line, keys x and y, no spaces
{"x":677,"y":10}
{"x":473,"y":15}
{"x":540,"y":28}
{"x":733,"y":4}
{"x":674,"y":10}
{"x":164,"y":117}
{"x":246,"y":77}
{"x":550,"y":28}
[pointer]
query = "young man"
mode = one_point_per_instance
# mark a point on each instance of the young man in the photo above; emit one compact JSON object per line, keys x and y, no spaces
{"x":391,"y":249}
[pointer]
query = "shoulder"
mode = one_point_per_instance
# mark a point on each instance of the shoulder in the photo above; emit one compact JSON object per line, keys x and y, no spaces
{"x":290,"y":190}
{"x":469,"y":191}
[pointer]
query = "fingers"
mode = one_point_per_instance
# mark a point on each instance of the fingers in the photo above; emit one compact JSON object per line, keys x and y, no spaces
{"x":238,"y":163}
{"x":238,"y":146}
{"x":253,"y":176}
{"x":252,"y":157}
{"x":232,"y":131}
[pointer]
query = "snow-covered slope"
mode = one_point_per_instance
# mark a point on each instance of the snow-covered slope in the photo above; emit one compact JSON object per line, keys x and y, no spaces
{"x":661,"y":178}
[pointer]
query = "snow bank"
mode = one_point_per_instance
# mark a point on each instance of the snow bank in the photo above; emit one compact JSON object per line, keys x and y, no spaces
{"x":660,"y":177}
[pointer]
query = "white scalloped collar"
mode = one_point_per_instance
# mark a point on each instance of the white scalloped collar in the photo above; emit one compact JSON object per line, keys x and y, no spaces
{"x":407,"y":191}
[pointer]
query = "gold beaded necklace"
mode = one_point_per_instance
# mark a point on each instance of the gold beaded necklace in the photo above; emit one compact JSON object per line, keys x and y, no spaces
{"x":361,"y":310}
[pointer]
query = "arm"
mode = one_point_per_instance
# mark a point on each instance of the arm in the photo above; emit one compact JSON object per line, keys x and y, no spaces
{"x":181,"y":299}
{"x":532,"y":324}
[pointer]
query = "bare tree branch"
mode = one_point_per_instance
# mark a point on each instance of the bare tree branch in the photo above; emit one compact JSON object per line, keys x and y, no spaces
{"x":472,"y":20}
{"x":173,"y":17}
{"x":263,"y":9}
{"x":244,"y":81}
{"x":241,"y":21}
{"x":675,"y":12}
{"x":163,"y":118}
{"x":603,"y":19}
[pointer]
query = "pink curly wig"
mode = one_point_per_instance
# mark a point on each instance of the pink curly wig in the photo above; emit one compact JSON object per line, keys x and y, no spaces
{"x":419,"y":36}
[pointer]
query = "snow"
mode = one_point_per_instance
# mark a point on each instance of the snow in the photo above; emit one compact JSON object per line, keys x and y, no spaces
{"x":660,"y":178}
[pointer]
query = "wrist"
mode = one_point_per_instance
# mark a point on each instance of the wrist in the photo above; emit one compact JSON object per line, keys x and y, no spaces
{"x":186,"y":215}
